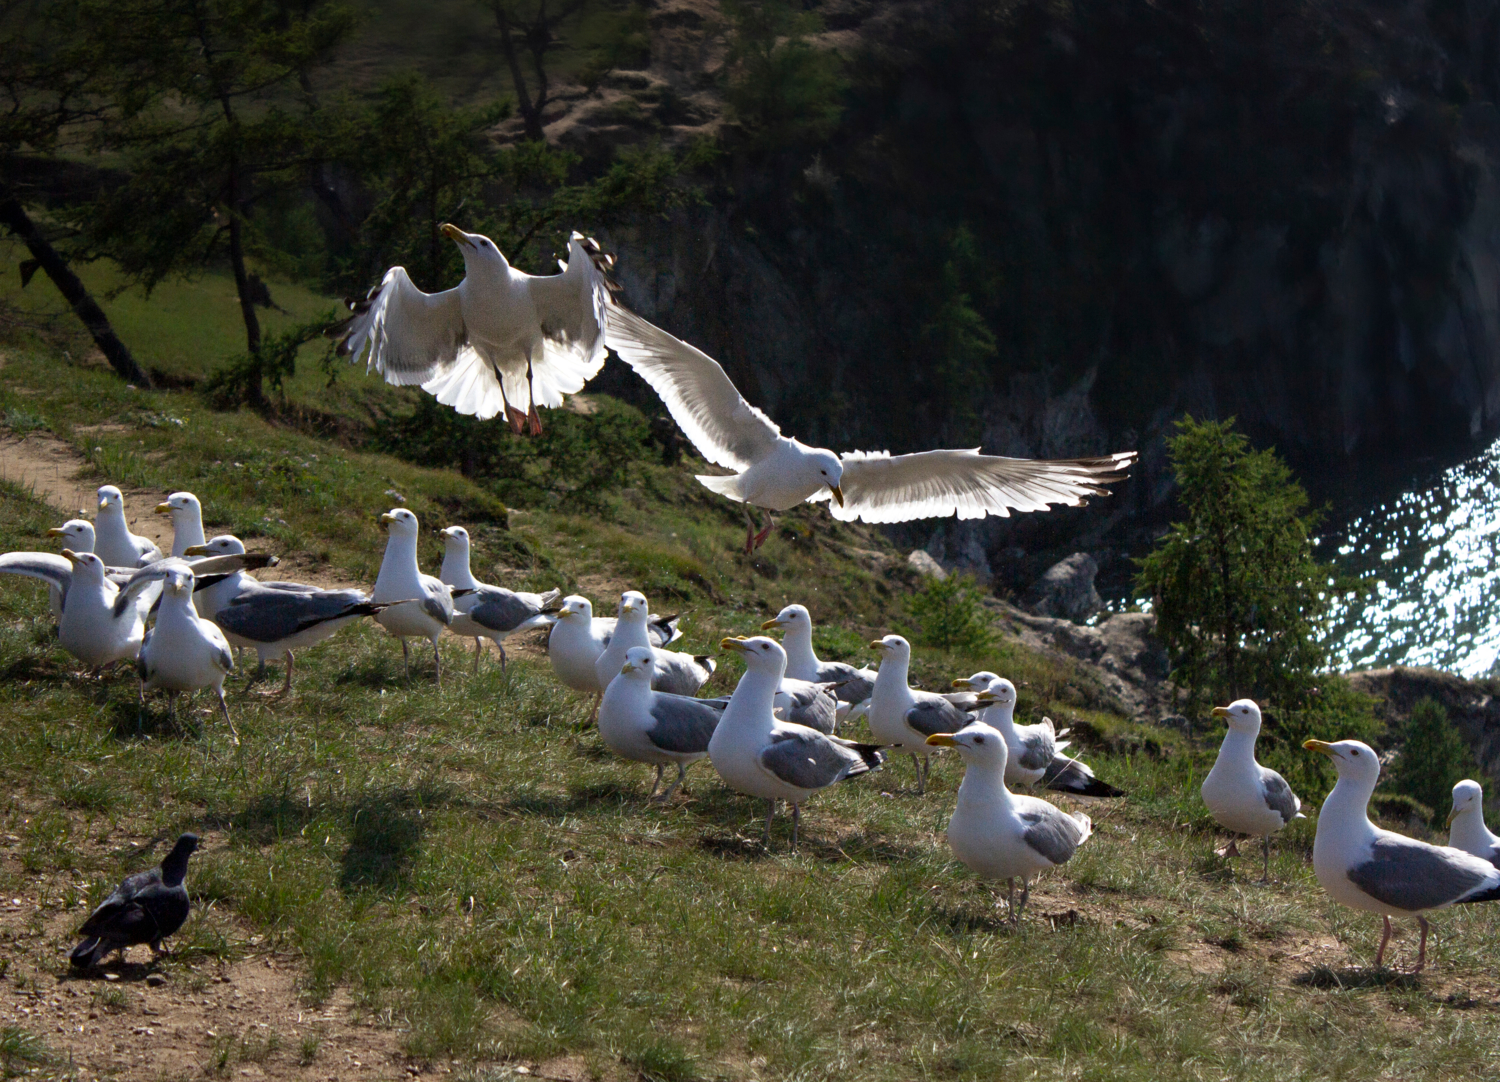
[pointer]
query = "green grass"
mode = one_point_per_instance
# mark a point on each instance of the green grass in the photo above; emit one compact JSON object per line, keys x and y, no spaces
{"x":477,"y":870}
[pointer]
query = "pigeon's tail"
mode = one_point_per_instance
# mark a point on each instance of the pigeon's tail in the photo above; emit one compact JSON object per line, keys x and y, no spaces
{"x":1067,"y":775}
{"x":87,"y":954}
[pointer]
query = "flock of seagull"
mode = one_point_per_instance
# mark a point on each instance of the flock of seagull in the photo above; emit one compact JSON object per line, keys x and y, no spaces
{"x":507,"y":341}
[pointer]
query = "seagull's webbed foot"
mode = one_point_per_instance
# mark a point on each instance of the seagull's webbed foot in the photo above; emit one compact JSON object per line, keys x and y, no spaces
{"x":534,"y":421}
{"x":516,"y":418}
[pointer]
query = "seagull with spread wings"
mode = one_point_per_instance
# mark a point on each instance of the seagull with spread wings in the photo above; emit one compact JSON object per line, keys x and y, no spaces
{"x":501,"y":339}
{"x":776,"y":472}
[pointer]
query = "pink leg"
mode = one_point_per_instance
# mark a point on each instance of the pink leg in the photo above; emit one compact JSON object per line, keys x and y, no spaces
{"x":1422,"y":950}
{"x":533,"y":418}
{"x":1384,"y":939}
{"x":760,"y":538}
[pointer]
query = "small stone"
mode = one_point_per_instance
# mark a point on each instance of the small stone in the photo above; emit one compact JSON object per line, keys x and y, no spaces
{"x":111,"y":976}
{"x":156,"y":980}
{"x":1067,"y":589}
{"x":923,"y":564}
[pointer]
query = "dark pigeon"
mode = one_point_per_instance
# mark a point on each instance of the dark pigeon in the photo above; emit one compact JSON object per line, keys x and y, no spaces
{"x":145,"y":908}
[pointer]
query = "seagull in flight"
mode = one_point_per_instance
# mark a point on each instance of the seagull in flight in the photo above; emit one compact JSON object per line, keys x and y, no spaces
{"x":501,"y":339}
{"x":776,"y":472}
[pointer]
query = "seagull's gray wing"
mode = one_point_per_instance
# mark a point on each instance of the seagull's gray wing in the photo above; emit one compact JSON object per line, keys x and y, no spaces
{"x":1279,"y":795}
{"x":810,"y":704}
{"x":1068,"y":775}
{"x":1037,"y":748}
{"x":437,"y":601}
{"x":854,"y":685}
{"x":935,"y":714}
{"x":47,"y":566}
{"x":505,"y":610}
{"x":683,"y":725}
{"x":1411,"y":875}
{"x":808,"y":759}
{"x":259,"y":614}
{"x":1052,"y":832}
{"x":682,"y":674}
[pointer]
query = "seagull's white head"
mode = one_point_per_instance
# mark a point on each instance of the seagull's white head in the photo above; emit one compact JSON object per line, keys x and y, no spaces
{"x":479,"y":251}
{"x":1242,"y":715}
{"x":983,"y":681}
{"x":77,"y":534}
{"x":892,"y":646}
{"x":761,"y":654}
{"x":793,"y":616}
{"x":1352,"y":759}
{"x":178,"y":582}
{"x":400,"y":523}
{"x":181,"y":504}
{"x":823,"y":468}
{"x":86,"y":566}
{"x":640,"y":664}
{"x":456,"y":539}
{"x":111,"y":499}
{"x":997,"y":692}
{"x":633,"y":608}
{"x":1468,"y":796}
{"x":977,"y":744}
{"x":576,"y":607}
{"x":226,"y":544}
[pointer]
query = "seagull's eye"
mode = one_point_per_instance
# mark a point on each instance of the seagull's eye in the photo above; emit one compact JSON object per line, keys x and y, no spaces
{"x":979,"y":740}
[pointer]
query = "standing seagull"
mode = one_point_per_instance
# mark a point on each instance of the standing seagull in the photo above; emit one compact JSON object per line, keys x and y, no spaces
{"x":675,"y":672}
{"x":1243,"y":795}
{"x":490,"y":612}
{"x":187,"y":521}
{"x":760,"y":756}
{"x":853,"y":684}
{"x":775,"y":472}
{"x":502,"y":339}
{"x":1466,"y":829}
{"x":93,"y":628}
{"x":579,"y":637}
{"x":1000,"y":835}
{"x":1036,"y":754}
{"x":655,"y":727}
{"x":113,"y":541}
{"x":903,"y":718}
{"x":428,"y":607}
{"x":145,"y":908}
{"x":183,"y":651}
{"x":78,"y":535}
{"x":1364,"y":867}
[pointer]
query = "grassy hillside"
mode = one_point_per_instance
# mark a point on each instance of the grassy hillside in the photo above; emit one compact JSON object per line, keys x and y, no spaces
{"x":476,"y":873}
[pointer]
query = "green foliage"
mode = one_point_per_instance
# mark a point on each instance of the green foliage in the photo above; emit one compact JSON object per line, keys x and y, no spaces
{"x":1240,"y":601}
{"x":1330,"y":710}
{"x":238,"y":380}
{"x":783,"y":90}
{"x":21,"y":1052}
{"x":949,"y":615}
{"x":959,"y":342}
{"x":579,"y":462}
{"x":617,"y":39}
{"x":1433,"y":757}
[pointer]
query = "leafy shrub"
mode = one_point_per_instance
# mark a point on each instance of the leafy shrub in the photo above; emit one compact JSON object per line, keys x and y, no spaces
{"x":949,"y":615}
{"x":782,"y":89}
{"x":1433,"y":758}
{"x":578,"y":461}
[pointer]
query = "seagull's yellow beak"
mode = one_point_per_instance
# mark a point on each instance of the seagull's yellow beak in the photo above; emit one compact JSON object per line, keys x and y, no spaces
{"x":70,"y":556}
{"x":963,"y":683}
{"x":57,"y":531}
{"x":876,"y":644}
{"x":103,"y":504}
{"x":1315,"y":745}
{"x":769,"y":624}
{"x":1223,"y":712}
{"x":942,"y":740}
{"x":736,"y":644}
{"x":387,"y":518}
{"x":838,"y":493}
{"x":628,"y":668}
{"x":986,"y":697}
{"x":1451,"y":816}
{"x":195,"y":550}
{"x":455,"y":234}
{"x":163,"y":509}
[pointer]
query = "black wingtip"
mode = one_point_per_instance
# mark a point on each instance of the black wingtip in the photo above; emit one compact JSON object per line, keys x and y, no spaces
{"x":1490,"y":895}
{"x":872,"y":754}
{"x":1064,"y":783}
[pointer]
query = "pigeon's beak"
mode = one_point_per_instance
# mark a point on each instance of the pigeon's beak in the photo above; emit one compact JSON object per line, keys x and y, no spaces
{"x":1311,"y":745}
{"x":1223,"y":712}
{"x":942,"y":740}
{"x":163,"y":509}
{"x":195,"y":550}
{"x":57,"y":531}
{"x":769,"y":624}
{"x":838,"y":493}
{"x":455,"y":234}
{"x":964,"y":684}
{"x":737,"y":645}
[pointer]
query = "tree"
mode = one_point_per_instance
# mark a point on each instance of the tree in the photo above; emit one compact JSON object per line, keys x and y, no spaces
{"x":50,"y":83}
{"x":213,"y":117}
{"x":1434,"y":757}
{"x":782,"y":89}
{"x":531,"y":27}
{"x":1240,"y":602}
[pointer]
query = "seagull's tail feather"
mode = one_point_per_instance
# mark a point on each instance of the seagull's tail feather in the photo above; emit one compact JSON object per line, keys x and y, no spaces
{"x":1065,"y":775}
{"x":708,"y":661}
{"x":871,"y":756}
{"x":665,"y":627}
{"x":87,"y":954}
{"x":551,"y":601}
{"x":725,"y":485}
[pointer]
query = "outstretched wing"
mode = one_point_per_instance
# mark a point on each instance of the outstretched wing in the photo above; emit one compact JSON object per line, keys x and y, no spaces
{"x":726,"y":430}
{"x":570,"y":308}
{"x":880,"y":487}
{"x":412,"y":336}
{"x":50,"y":568}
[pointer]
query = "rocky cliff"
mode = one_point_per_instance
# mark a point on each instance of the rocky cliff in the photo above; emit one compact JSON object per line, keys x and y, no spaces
{"x":1050,"y":229}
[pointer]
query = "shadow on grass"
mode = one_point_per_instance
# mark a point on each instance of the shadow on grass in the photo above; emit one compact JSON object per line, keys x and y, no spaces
{"x":129,"y":721}
{"x":603,"y":796}
{"x":1353,"y":977}
{"x":385,"y":836}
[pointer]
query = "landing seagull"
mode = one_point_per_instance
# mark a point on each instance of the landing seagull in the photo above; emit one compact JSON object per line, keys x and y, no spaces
{"x":1466,"y":829}
{"x":996,"y":833}
{"x":145,"y":908}
{"x":1243,"y":795}
{"x":502,"y":339}
{"x":1364,"y":867}
{"x":776,"y":472}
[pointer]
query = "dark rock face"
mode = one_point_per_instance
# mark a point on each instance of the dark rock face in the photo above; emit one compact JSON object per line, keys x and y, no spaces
{"x":1050,"y":230}
{"x":1123,"y":652}
{"x":1473,"y":705}
{"x":1067,"y":589}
